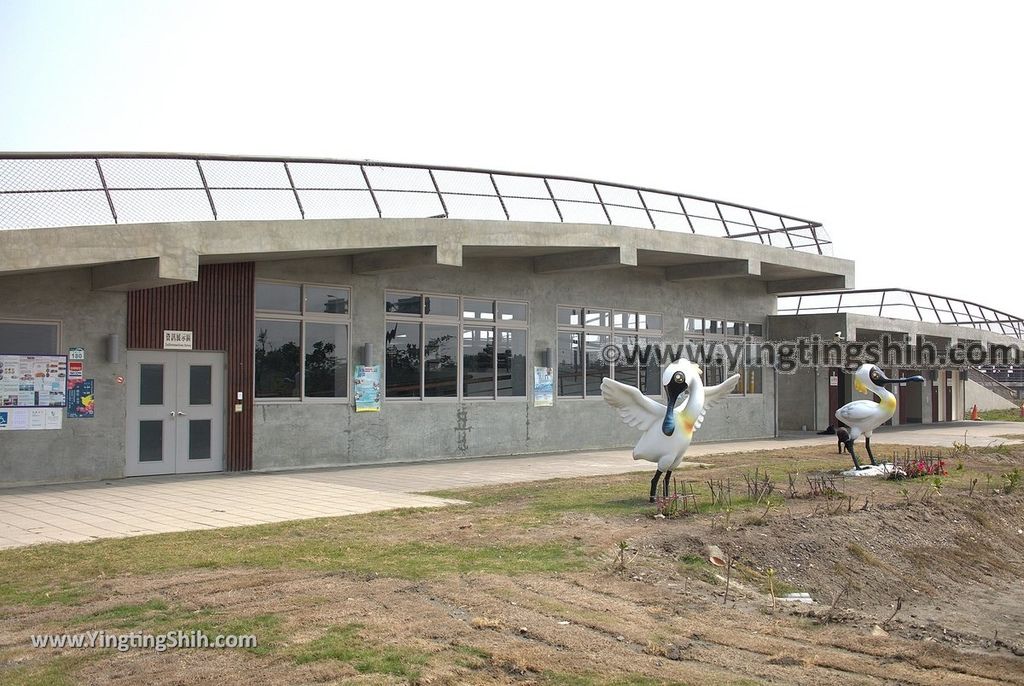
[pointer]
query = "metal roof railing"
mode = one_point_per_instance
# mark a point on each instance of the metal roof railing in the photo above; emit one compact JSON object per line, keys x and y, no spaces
{"x":75,"y":189}
{"x":899,"y":303}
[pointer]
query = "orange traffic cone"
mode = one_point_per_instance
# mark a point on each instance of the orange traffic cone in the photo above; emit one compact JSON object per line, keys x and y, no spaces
{"x":974,"y":413}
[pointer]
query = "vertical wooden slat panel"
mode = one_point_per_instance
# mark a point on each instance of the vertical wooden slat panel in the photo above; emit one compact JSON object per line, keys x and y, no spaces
{"x":218,"y":309}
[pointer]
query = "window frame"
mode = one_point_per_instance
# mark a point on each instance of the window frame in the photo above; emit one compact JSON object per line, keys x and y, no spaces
{"x":613,"y":332}
{"x":303,"y":317}
{"x":58,"y":324}
{"x":723,"y":337}
{"x":461,"y":323}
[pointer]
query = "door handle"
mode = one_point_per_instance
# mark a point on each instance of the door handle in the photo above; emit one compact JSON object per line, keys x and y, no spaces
{"x":181,"y":414}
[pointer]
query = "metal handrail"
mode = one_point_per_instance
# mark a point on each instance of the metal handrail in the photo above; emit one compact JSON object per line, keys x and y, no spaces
{"x":969,"y":314}
{"x":998,"y":387}
{"x":26,"y":178}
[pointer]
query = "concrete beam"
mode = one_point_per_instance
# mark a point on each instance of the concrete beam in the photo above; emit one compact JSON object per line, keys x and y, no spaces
{"x":817,"y":283}
{"x":585,"y":260}
{"x":149,"y":272}
{"x":726,"y":269}
{"x":400,"y":259}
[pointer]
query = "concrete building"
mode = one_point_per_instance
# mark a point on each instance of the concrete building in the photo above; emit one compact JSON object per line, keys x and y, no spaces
{"x":221,"y":305}
{"x":174,"y":313}
{"x":942,"y":336}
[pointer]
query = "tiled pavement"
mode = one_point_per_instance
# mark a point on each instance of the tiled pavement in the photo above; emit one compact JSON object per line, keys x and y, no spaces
{"x":146,"y":505}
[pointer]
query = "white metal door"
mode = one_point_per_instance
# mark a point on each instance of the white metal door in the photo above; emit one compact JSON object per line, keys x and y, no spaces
{"x":176,"y":408}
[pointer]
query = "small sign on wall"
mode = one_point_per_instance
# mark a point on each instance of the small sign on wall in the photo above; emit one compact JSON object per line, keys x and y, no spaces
{"x":366,"y":388}
{"x":177,"y":340}
{"x":543,"y":387}
{"x":81,"y":399}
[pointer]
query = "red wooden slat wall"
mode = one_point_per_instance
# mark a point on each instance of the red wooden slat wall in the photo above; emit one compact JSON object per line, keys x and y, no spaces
{"x":218,"y":309}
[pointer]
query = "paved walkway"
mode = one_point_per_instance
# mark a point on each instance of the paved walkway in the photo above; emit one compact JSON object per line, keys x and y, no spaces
{"x":147,"y":505}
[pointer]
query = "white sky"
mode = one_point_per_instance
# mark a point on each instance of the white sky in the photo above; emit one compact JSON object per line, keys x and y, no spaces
{"x":900,"y":126}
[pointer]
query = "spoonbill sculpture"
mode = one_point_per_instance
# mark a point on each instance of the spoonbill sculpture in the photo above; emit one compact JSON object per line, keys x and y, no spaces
{"x":864,"y":416}
{"x":667,"y":431}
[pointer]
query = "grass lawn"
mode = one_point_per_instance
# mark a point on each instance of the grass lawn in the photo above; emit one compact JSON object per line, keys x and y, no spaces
{"x":568,"y":581}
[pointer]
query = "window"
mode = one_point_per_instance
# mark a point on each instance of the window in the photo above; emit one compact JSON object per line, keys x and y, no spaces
{"x":583,"y":334}
{"x":29,"y":338}
{"x":735,"y":344}
{"x":446,"y":346}
{"x":302,"y":341}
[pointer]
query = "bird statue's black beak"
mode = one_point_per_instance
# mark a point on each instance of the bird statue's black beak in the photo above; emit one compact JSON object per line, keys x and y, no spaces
{"x":909,"y":379}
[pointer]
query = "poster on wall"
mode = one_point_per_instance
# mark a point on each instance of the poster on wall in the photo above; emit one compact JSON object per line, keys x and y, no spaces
{"x":543,"y":387}
{"x":30,"y":418}
{"x":366,"y":388}
{"x":81,"y":399}
{"x":33,"y":380}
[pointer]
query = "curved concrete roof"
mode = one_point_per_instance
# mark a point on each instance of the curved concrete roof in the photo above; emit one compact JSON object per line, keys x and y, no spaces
{"x":128,"y":257}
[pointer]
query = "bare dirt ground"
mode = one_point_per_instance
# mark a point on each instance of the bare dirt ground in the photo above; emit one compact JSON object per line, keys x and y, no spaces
{"x":638,"y":603}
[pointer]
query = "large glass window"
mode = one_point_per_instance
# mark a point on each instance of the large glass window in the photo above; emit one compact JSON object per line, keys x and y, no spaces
{"x":440,"y":361}
{"x":29,"y":338}
{"x":570,"y":365}
{"x":585,"y":332}
{"x":277,"y":358}
{"x":729,"y":347}
{"x":477,"y":362}
{"x":452,"y":347}
{"x":326,"y":360}
{"x":511,"y":362}
{"x":302,"y":341}
{"x":402,"y":368}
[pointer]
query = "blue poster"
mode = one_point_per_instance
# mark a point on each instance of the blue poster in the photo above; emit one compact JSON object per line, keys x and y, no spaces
{"x":543,"y":387}
{"x":366,"y":388}
{"x":81,"y":399}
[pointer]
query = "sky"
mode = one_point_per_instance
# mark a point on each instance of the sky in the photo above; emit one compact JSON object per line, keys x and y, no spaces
{"x":896,"y":125}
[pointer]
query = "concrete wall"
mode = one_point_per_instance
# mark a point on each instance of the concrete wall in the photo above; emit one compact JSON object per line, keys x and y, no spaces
{"x":293,"y":434}
{"x":83,"y":449}
{"x":976,"y":394}
{"x":315,"y":434}
{"x":803,"y":394}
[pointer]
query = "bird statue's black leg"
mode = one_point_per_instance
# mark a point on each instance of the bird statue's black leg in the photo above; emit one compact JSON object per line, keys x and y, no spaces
{"x":654,"y":484}
{"x":867,"y":446}
{"x":849,"y":446}
{"x":665,"y":486}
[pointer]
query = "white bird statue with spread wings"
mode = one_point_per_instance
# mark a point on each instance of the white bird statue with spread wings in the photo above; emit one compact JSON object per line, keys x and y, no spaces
{"x":667,"y":430}
{"x":864,"y":416}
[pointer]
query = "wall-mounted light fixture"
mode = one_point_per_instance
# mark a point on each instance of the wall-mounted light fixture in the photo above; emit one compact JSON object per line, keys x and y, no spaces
{"x":113,"y":348}
{"x":367,"y":354}
{"x":545,"y":357}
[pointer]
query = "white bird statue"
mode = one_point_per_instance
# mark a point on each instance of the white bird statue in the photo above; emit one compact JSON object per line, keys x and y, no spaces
{"x":864,"y":416}
{"x":667,"y":431}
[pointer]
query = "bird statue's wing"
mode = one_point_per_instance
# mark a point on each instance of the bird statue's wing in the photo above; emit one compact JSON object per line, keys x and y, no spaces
{"x":635,"y":408}
{"x":713,"y":394}
{"x":858,"y":411}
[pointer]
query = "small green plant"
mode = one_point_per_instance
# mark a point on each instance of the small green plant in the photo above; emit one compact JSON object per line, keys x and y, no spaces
{"x":1011,"y":480}
{"x":771,"y":584}
{"x":935,"y":488}
{"x":620,"y":559}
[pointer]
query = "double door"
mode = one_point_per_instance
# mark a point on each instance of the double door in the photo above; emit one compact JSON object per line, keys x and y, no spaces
{"x":176,"y":406}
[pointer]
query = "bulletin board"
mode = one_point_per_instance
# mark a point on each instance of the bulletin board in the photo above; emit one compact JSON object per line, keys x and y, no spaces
{"x":28,"y":381}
